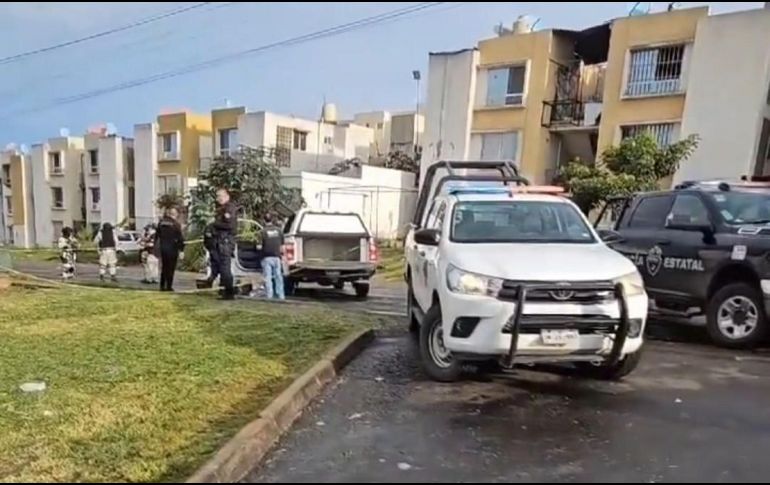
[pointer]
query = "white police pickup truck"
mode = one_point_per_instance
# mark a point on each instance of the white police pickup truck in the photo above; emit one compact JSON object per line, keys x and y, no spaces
{"x":516,"y":274}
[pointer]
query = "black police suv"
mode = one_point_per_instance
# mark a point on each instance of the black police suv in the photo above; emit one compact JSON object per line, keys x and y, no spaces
{"x":702,"y":248}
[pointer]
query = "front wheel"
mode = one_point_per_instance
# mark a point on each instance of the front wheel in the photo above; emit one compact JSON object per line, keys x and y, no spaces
{"x":437,"y":361}
{"x":736,"y":317}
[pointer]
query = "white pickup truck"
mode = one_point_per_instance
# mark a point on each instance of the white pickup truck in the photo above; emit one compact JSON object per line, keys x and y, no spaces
{"x":326,"y":248}
{"x":499,"y":270}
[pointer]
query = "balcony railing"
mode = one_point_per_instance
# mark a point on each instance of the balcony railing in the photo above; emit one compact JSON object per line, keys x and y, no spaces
{"x":563,"y":113}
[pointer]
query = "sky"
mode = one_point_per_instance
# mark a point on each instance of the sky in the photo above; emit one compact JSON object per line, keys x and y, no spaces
{"x":363,"y":70}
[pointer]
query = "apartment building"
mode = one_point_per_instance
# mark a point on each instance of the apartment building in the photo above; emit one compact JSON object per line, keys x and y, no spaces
{"x":167,"y":154}
{"x":392,"y":132}
{"x":16,"y":206}
{"x":542,"y":98}
{"x":108,"y":179}
{"x":299,"y":144}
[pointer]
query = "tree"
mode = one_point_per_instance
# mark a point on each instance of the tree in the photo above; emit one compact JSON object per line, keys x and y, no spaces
{"x":638,"y":164}
{"x":401,"y":161}
{"x":253,"y":180}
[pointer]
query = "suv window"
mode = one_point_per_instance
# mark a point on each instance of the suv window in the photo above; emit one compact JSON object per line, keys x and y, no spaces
{"x":438,"y":221}
{"x":430,"y":222}
{"x":651,"y":212}
{"x":689,"y":209}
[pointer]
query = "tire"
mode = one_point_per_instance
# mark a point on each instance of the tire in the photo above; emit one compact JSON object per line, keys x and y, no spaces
{"x":735,"y":316}
{"x":439,"y":366}
{"x":339,"y":285}
{"x":362,"y":289}
{"x":616,"y":372}
{"x":414,"y":325}
{"x":289,"y":287}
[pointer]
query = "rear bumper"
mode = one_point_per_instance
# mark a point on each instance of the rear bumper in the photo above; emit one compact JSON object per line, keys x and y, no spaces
{"x":330,"y":272}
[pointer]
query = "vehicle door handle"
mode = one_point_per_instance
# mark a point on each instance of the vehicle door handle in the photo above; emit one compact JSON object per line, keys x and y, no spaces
{"x":663,"y":242}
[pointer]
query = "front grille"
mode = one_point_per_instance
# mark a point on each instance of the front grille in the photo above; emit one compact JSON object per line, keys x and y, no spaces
{"x":580,"y":292}
{"x":585,"y":324}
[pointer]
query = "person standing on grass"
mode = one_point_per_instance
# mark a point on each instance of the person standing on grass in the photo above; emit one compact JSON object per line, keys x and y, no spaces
{"x":169,"y":243}
{"x":106,"y":244}
{"x":148,"y":257}
{"x":272,"y":267}
{"x":225,"y":227}
{"x":68,"y":246}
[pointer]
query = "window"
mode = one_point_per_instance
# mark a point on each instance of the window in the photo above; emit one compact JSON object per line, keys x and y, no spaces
{"x":495,"y":146}
{"x":379,"y":126}
{"x":664,"y":133}
{"x":328,"y":140}
{"x":743,"y":207}
{"x":54,"y":163}
{"x":300,"y":140}
{"x":169,"y":184}
{"x":227,"y":141}
{"x":7,"y":175}
{"x":168,"y":146}
{"x":523,"y":221}
{"x":505,"y":87}
{"x":655,"y":71}
{"x":436,"y":216}
{"x":9,"y":206}
{"x":96,"y":197}
{"x":650,"y":213}
{"x":57,"y":197}
{"x":93,"y":161}
{"x":283,"y":144}
{"x":689,"y":209}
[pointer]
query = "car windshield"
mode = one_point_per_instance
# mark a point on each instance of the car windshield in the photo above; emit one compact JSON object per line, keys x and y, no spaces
{"x":519,"y":221}
{"x":743,"y":207}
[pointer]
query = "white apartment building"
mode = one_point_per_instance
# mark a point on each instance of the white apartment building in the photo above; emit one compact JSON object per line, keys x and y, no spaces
{"x":16,"y":207}
{"x":392,"y":131}
{"x":108,"y":179}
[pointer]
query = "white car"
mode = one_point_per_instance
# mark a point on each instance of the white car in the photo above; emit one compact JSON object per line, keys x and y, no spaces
{"x":518,"y":275}
{"x":128,"y":242}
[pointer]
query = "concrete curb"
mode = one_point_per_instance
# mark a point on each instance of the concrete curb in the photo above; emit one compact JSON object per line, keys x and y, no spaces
{"x":241,"y":454}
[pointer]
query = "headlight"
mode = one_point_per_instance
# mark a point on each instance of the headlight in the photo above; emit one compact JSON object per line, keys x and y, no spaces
{"x":460,"y":281}
{"x":633,"y":284}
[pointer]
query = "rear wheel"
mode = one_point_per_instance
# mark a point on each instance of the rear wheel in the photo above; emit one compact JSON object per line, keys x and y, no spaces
{"x":362,"y":289}
{"x":736,"y":316}
{"x":437,"y":361}
{"x":289,"y":287}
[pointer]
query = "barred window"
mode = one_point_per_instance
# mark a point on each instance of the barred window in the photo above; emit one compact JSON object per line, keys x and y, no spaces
{"x":284,"y":138}
{"x":664,"y":133}
{"x":655,"y":71}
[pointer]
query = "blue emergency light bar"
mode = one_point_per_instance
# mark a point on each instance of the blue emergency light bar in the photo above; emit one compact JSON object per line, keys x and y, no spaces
{"x":469,"y":189}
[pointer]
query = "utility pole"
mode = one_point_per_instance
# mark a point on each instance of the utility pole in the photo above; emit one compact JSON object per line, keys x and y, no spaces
{"x":417,"y":76}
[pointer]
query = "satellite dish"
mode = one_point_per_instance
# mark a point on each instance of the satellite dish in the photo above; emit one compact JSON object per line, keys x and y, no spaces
{"x":64,"y":132}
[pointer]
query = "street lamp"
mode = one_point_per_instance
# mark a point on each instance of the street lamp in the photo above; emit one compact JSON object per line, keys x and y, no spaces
{"x":417,"y":76}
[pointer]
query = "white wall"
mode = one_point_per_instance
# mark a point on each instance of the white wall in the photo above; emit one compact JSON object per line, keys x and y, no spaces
{"x":41,"y":195}
{"x":449,"y":107}
{"x":384,"y":198}
{"x":727,"y":94}
{"x":91,"y":142}
{"x":112,"y":181}
{"x":379,"y":123}
{"x":145,"y":170}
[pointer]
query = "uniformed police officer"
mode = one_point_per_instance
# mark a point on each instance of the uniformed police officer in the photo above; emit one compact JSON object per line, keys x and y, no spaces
{"x":225,"y":229}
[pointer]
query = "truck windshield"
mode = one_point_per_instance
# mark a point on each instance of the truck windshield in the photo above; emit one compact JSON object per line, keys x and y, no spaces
{"x":743,"y":207}
{"x":522,"y":221}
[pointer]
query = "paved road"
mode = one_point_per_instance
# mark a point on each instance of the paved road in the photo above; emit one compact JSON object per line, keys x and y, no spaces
{"x":689,"y":413}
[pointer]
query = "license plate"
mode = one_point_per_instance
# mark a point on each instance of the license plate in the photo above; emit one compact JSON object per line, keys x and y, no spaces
{"x":559,"y":337}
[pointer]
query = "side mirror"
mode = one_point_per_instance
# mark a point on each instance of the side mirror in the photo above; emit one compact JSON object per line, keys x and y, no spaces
{"x":609,"y":236}
{"x":684,"y":223}
{"x":427,"y":237}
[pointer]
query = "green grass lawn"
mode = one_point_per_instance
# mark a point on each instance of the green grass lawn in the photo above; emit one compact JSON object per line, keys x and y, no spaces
{"x":391,"y":267}
{"x":141,"y":387}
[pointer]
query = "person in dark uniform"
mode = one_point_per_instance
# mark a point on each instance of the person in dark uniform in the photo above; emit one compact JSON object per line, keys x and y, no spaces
{"x":225,"y":229}
{"x":272,"y":268}
{"x":169,"y":243}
